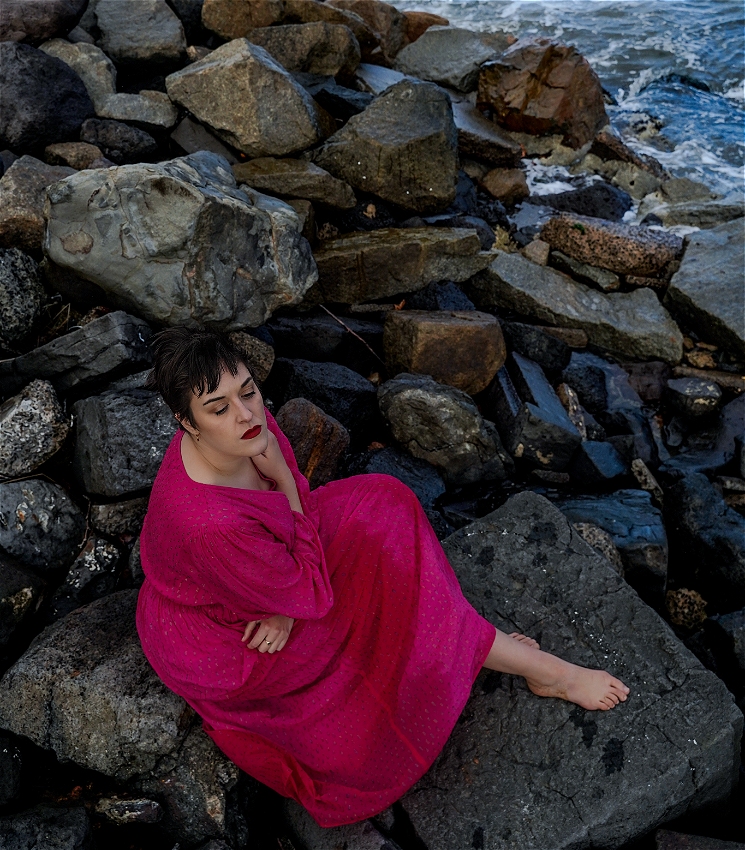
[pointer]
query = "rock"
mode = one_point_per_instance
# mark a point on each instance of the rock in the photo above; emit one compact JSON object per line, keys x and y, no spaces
{"x":519,"y":565}
{"x":446,"y":55}
{"x":146,"y":32}
{"x":648,"y":379}
{"x":355,"y":836}
{"x":621,"y":248}
{"x":537,"y":251}
{"x":258,"y":353}
{"x":225,"y":91}
{"x":609,"y":148}
{"x":598,"y":200}
{"x":463,"y":349}
{"x":119,"y":142}
{"x":601,"y":279}
{"x":21,"y":295}
{"x":92,"y":575}
{"x":368,"y":266}
{"x":443,"y":426}
{"x":638,"y":531}
{"x":630,"y":324}
{"x":706,"y":293}
{"x":530,"y":418}
{"x":48,"y":827}
{"x":317,"y":439}
{"x":152,"y":108}
{"x":485,"y":233}
{"x":597,"y":463}
{"x":531,"y":341}
{"x":693,"y":398}
{"x":636,"y":180}
{"x":439,"y":296}
{"x":22,"y":201}
{"x":685,"y":608}
{"x":601,"y":542}
{"x":483,"y":139}
{"x":375,"y":79}
{"x":192,"y":137}
{"x":91,"y":64}
{"x":234,"y":20}
{"x":77,"y":155}
{"x":20,"y":595}
{"x":646,"y":480}
{"x":292,"y":178}
{"x":134,"y":564}
{"x":308,"y":11}
{"x":123,"y":812}
{"x":119,"y":518}
{"x":540,"y":87}
{"x":418,"y":23}
{"x":10,"y":771}
{"x":731,"y":628}
{"x":204,"y":252}
{"x":402,"y":148}
{"x":33,"y":427}
{"x":388,"y":24}
{"x":40,"y":526}
{"x":709,"y":539}
{"x":98,"y":351}
{"x":315,"y":48}
{"x":418,"y":475}
{"x":34,"y":22}
{"x":667,"y":840}
{"x":506,"y":184}
{"x":342,"y":102}
{"x":121,"y":438}
{"x":42,"y":99}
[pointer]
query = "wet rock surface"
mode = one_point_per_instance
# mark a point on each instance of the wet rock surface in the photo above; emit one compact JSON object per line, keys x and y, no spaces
{"x":21,"y":295}
{"x":48,"y":827}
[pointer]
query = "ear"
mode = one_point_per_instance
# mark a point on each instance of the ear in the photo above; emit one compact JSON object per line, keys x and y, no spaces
{"x":186,"y":425}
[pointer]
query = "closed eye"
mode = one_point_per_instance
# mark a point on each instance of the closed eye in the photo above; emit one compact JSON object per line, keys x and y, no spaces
{"x":223,"y":409}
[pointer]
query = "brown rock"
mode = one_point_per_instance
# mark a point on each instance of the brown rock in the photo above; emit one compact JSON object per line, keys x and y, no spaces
{"x":314,"y":48}
{"x":482,"y":138}
{"x":463,"y":348}
{"x":573,"y":337}
{"x":33,"y":22}
{"x":76,"y":155}
{"x":537,"y":251}
{"x":258,"y":353}
{"x":383,"y":19}
{"x":621,"y":248}
{"x":647,"y":481}
{"x":293,"y":178}
{"x":570,"y":402}
{"x":307,"y":216}
{"x":22,"y":202}
{"x":686,"y":608}
{"x":307,"y":11}
{"x":648,"y":379}
{"x":700,"y":359}
{"x":608,"y":147}
{"x":601,"y":541}
{"x":390,"y":261}
{"x":639,"y":280}
{"x":542,"y":87}
{"x":507,"y":185}
{"x":418,"y":23}
{"x":234,"y":20}
{"x":667,"y":840}
{"x":116,"y":518}
{"x":317,"y":439}
{"x":726,"y":380}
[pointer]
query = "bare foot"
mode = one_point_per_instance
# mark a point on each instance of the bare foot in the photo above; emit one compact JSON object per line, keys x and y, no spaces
{"x":591,"y":689}
{"x":525,"y":639}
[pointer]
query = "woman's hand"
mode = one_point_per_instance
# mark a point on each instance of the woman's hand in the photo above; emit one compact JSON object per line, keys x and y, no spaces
{"x":276,"y":629}
{"x":272,"y":464}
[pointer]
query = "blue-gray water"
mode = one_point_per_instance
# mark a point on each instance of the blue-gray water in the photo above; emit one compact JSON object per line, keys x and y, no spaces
{"x":681,"y":63}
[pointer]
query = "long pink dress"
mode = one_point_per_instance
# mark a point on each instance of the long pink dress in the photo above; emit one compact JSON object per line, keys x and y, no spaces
{"x":382,"y":655}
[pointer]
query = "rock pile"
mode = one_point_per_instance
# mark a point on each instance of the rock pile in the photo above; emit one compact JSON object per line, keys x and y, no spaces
{"x":560,"y":378}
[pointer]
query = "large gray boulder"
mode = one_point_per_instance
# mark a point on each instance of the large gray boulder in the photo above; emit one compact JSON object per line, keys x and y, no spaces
{"x":145,"y":31}
{"x":403,"y":148}
{"x":121,"y":438}
{"x":177,"y":243}
{"x":633,"y":325}
{"x":520,"y":772}
{"x":313,"y":48}
{"x":248,"y":100}
{"x":90,"y":63}
{"x":707,"y":292}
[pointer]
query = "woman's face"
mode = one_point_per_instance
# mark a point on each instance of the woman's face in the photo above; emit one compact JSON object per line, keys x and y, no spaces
{"x":231,"y":419}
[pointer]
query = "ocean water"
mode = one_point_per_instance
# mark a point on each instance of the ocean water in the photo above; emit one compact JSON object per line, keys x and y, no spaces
{"x":676,"y":70}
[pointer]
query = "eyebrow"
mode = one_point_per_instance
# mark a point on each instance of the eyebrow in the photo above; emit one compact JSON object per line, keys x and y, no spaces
{"x":221,"y":397}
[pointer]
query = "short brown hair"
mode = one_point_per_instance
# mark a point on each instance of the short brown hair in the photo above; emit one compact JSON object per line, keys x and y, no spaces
{"x":190,"y":361}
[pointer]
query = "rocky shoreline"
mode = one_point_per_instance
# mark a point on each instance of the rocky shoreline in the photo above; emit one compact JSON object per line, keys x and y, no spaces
{"x":559,"y":377}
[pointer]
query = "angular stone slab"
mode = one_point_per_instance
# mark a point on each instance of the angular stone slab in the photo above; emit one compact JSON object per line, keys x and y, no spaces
{"x":294,"y":178}
{"x":146,"y":31}
{"x":483,"y":139}
{"x":314,"y":48}
{"x":632,"y":324}
{"x":707,"y":291}
{"x":522,"y":773}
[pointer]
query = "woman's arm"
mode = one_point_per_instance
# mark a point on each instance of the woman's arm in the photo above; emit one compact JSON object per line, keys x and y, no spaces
{"x":272,"y":464}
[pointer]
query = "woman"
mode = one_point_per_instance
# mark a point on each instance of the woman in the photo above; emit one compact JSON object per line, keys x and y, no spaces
{"x":322,"y":637}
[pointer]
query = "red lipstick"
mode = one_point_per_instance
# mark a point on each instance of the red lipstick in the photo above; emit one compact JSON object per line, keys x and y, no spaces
{"x":252,"y":432}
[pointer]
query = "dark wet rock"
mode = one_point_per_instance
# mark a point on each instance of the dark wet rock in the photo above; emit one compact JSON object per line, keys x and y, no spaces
{"x":463,"y":222}
{"x":402,"y":148}
{"x":368,"y":266}
{"x":337,"y":390}
{"x":121,"y":438}
{"x":292,"y":178}
{"x":598,"y":200}
{"x":318,"y":440}
{"x":11,"y":764}
{"x":315,"y":48}
{"x":40,"y":526}
{"x":375,"y":79}
{"x":418,"y":475}
{"x":224,"y":91}
{"x":530,"y":418}
{"x":440,"y":296}
{"x":91,"y":64}
{"x":360,"y":836}
{"x":92,"y":575}
{"x":709,"y":540}
{"x":706,"y":292}
{"x":597,"y":463}
{"x":134,"y":564}
{"x":97,"y":351}
{"x":648,"y":379}
{"x":532,"y":341}
{"x":519,"y":566}
{"x":731,"y":630}
{"x":22,"y":202}
{"x":119,"y":142}
{"x":463,"y":349}
{"x":42,"y":99}
{"x":385,"y":20}
{"x":630,"y":324}
{"x":191,"y":137}
{"x":541,"y":87}
{"x":47,"y":827}
{"x":36,"y":22}
{"x":483,"y":139}
{"x":147,"y":31}
{"x":119,"y":518}
{"x":638,"y":531}
{"x":692,"y":398}
{"x":342,"y":102}
{"x":668,"y":840}
{"x":20,"y":595}
{"x":33,"y":427}
{"x":205,"y":251}
{"x":443,"y":426}
{"x":21,"y":295}
{"x":128,"y":811}
{"x":507,"y":185}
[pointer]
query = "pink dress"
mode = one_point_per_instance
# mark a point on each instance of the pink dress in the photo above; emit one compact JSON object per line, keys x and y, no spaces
{"x":382,"y":655}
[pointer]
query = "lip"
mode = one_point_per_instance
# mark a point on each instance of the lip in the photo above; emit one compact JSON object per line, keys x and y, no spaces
{"x":252,"y":432}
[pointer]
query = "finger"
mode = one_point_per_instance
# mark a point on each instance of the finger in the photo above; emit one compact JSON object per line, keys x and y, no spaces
{"x":258,"y":638}
{"x":249,"y":628}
